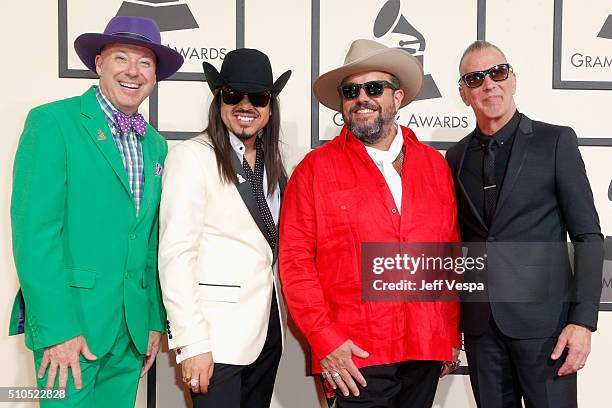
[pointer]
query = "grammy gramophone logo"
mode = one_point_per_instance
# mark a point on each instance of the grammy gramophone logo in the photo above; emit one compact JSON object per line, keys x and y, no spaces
{"x":606,"y":29}
{"x":601,"y":62}
{"x":390,"y":20}
{"x":170,"y":15}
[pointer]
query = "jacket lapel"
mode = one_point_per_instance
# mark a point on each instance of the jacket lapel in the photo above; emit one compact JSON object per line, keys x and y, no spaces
{"x":281,"y":188}
{"x":515,"y":161}
{"x":462,"y":190}
{"x":244,"y":188}
{"x":96,"y":125}
{"x":149,"y":174}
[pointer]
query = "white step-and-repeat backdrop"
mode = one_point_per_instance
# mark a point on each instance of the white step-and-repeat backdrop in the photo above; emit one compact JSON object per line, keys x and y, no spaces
{"x":561,"y":51}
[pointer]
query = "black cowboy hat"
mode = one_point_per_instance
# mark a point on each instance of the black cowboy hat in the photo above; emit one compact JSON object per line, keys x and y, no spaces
{"x":245,"y":70}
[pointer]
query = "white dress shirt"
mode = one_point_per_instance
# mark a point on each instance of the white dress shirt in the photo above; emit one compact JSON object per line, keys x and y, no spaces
{"x":273,"y":201}
{"x":384,"y":161}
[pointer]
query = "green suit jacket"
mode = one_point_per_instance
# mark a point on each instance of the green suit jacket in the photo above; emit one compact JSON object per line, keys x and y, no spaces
{"x":83,"y":258}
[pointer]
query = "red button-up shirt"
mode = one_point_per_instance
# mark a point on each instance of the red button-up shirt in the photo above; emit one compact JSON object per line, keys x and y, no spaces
{"x":336,"y":199}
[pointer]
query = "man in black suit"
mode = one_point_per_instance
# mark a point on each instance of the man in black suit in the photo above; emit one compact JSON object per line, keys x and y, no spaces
{"x":522,"y":181}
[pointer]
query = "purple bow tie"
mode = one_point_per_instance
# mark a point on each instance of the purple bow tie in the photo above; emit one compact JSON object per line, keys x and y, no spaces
{"x":127,"y":123}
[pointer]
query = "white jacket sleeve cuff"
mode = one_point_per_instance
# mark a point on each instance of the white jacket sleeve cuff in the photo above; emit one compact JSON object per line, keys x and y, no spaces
{"x":192,"y":350}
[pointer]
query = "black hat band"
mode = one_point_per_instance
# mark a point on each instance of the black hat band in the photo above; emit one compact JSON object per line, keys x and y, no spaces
{"x":133,"y":35}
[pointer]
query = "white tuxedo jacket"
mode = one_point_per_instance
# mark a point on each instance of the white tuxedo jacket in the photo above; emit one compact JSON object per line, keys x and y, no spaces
{"x":215,"y":265}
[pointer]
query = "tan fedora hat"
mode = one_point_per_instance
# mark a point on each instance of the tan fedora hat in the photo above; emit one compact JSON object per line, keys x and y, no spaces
{"x":367,"y":55}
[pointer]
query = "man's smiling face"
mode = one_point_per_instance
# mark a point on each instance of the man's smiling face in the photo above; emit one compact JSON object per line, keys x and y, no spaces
{"x":243,"y":119}
{"x":370,"y":117}
{"x":127,"y":75}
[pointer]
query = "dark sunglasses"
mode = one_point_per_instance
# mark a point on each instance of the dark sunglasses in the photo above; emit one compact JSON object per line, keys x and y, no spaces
{"x":497,"y":73}
{"x":372,"y":88}
{"x":232,"y":97}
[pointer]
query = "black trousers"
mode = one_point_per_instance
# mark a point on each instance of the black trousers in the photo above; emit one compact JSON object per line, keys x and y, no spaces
{"x":409,"y":384}
{"x":250,"y":386}
{"x":504,"y":370}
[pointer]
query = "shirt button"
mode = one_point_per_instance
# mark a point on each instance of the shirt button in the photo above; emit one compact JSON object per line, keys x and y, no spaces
{"x":394,"y":211}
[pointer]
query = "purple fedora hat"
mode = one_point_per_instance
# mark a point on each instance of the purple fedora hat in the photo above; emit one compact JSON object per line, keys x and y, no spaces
{"x":129,"y":30}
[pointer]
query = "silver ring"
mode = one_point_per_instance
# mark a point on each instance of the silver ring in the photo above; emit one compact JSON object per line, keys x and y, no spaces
{"x":335,"y":375}
{"x":324,"y":374}
{"x":194,"y":382}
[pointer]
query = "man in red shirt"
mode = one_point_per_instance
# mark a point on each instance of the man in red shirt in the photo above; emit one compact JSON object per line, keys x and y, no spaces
{"x":374,"y":182}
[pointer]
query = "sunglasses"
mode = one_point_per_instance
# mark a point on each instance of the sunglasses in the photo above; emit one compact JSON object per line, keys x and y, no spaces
{"x":497,"y":73}
{"x":233,"y":97}
{"x":372,"y":88}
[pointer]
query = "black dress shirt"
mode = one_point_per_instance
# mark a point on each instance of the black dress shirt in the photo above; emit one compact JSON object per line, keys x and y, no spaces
{"x":471,"y":172}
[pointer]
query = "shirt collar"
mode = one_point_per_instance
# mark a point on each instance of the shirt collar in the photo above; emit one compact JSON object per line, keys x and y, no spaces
{"x":105,"y":104}
{"x":107,"y":107}
{"x":502,"y":135}
{"x":237,"y":144}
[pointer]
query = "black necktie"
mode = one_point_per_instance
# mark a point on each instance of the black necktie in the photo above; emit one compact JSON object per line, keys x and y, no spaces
{"x":489,"y":185}
{"x":256,"y":181}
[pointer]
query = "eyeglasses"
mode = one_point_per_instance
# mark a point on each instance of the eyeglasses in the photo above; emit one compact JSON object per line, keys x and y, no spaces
{"x":233,"y":97}
{"x":372,"y":88}
{"x":497,"y":73}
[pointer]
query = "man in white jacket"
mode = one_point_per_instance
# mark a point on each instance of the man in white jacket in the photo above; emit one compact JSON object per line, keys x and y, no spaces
{"x":219,"y":213}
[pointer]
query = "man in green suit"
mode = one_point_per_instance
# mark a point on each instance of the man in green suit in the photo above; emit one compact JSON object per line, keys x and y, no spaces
{"x":84,"y":210}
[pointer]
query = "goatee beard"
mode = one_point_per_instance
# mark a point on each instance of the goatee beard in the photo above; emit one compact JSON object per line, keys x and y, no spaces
{"x":244,"y":135}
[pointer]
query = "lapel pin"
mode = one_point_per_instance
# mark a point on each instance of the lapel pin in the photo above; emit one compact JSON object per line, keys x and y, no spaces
{"x":240,"y":179}
{"x":101,"y":135}
{"x":158,"y":169}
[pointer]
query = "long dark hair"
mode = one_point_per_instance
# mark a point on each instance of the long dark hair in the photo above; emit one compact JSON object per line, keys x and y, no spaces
{"x":219,"y":135}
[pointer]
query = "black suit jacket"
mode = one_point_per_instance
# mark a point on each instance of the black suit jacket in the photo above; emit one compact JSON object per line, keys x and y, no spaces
{"x":545,"y":195}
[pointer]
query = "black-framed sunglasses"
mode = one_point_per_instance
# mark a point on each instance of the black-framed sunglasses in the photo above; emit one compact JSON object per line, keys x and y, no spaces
{"x":497,"y":73}
{"x":232,"y":97}
{"x":372,"y":88}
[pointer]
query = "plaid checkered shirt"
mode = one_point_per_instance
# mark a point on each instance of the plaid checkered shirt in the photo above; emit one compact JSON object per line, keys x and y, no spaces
{"x":130,"y":149}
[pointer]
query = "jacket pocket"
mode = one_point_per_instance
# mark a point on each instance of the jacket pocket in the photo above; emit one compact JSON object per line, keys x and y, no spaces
{"x":81,"y":278}
{"x":217,"y":292}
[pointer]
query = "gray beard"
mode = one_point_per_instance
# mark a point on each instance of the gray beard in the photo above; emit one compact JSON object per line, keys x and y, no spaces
{"x":368,"y":134}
